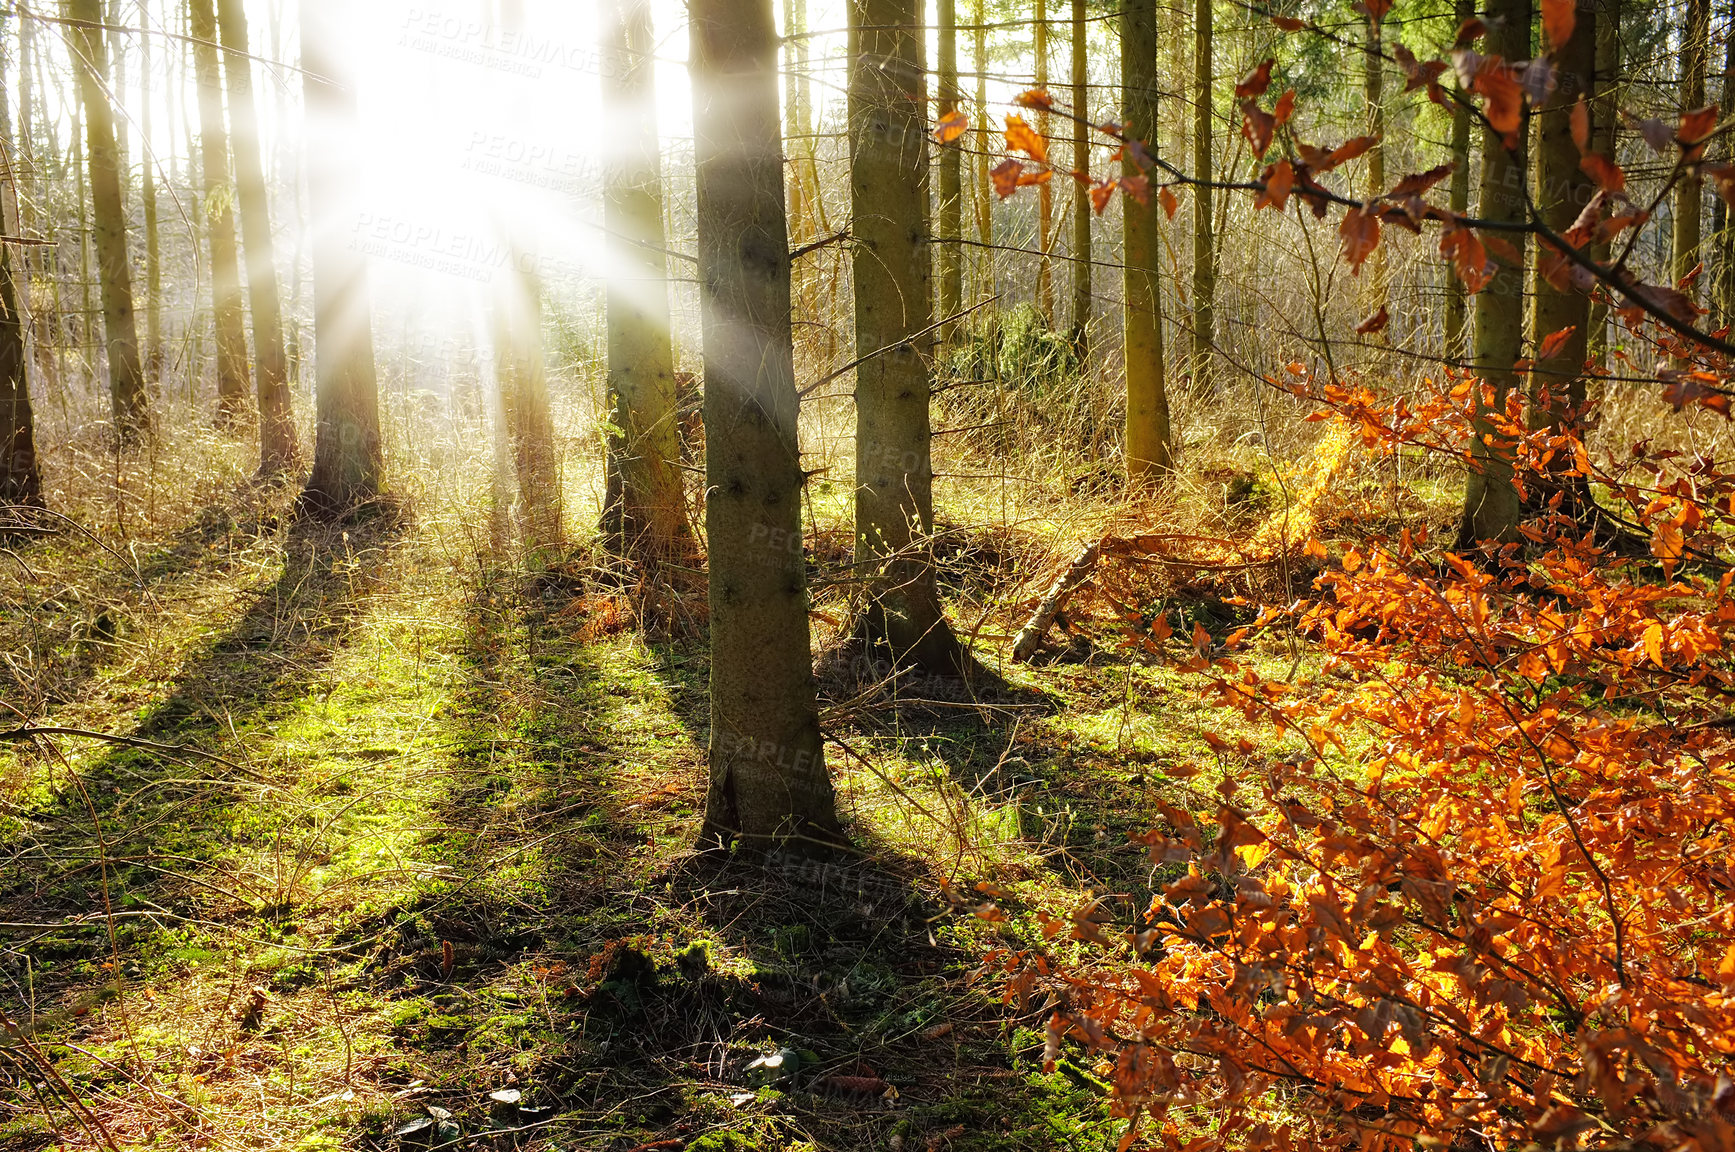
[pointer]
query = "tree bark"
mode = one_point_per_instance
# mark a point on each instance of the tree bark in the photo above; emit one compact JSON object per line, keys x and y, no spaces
{"x":278,"y":452}
{"x":1604,"y":135}
{"x":1147,"y":436}
{"x":1376,"y":289}
{"x":1557,"y":381}
{"x":1457,"y":301}
{"x":153,"y":349}
{"x":984,"y":149}
{"x":1045,"y":190}
{"x":1081,"y":247}
{"x":226,"y":306}
{"x":1204,"y":247}
{"x":1690,"y":192}
{"x":348,"y":461}
{"x":951,"y":224}
{"x":1491,"y":510}
{"x":126,"y":375}
{"x":647,"y":518}
{"x":894,"y":496}
{"x":20,"y":472}
{"x":768,"y":779}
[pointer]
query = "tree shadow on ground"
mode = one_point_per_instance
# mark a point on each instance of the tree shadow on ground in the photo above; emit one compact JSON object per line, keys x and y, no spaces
{"x":144,"y":832}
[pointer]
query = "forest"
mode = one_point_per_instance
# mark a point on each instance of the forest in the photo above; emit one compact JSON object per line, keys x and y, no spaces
{"x":927,"y":575}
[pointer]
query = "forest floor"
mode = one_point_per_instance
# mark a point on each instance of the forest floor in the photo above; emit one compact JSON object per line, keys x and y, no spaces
{"x":424,"y":832}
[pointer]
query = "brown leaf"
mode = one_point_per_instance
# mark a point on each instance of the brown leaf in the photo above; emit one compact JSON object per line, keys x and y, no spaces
{"x":1374,"y":9}
{"x":1022,"y":138}
{"x":1559,"y":17}
{"x":1418,"y":182}
{"x":1360,"y":232}
{"x":1503,"y":99}
{"x":1374,"y":323}
{"x":1656,"y":133}
{"x":1285,"y":108}
{"x":1605,"y":172}
{"x":1254,"y":84}
{"x":1257,"y":125}
{"x":1005,"y":176}
{"x":1469,"y":32}
{"x":1167,"y":199}
{"x":1697,"y":125}
{"x":1035,"y":98}
{"x":1279,"y":179}
{"x":1289,"y":23}
{"x":1553,"y":342}
{"x":1138,"y":187}
{"x":1101,"y":193}
{"x":1469,"y":258}
{"x":1348,"y":151}
{"x":951,"y":126}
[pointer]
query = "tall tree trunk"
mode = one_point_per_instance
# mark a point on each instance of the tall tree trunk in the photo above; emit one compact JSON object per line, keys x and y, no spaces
{"x":768,"y":778}
{"x":647,"y":514}
{"x":984,"y":149}
{"x":1376,"y":289}
{"x":278,"y":452}
{"x":523,"y":378}
{"x":45,"y":259}
{"x":1457,"y":304}
{"x":229,"y":319}
{"x":1689,"y":193}
{"x":1045,"y":190}
{"x":894,"y":494}
{"x":1491,"y":510}
{"x":801,"y":224}
{"x":1557,"y":381}
{"x":1204,"y":247}
{"x":87,"y":354}
{"x":1724,"y":228}
{"x":1604,"y":134}
{"x":20,"y":473}
{"x":153,"y":349}
{"x":348,"y":461}
{"x":951,"y":270}
{"x":1081,"y":254}
{"x":125,"y":374}
{"x":1148,"y":450}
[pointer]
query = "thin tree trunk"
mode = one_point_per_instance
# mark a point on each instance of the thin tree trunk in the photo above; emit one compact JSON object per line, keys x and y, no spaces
{"x":1724,"y":227}
{"x":126,"y":376}
{"x":1376,"y":289}
{"x":1557,"y":381}
{"x":894,"y":494}
{"x":1204,"y":248}
{"x":229,"y":319}
{"x":951,"y":224}
{"x":348,"y":461}
{"x":768,"y":779}
{"x":1457,"y":301}
{"x":20,"y":472}
{"x":153,"y":349}
{"x":86,"y":308}
{"x":1081,"y":253}
{"x":1147,"y":437}
{"x":1045,"y":190}
{"x":45,"y":260}
{"x":984,"y":149}
{"x":278,"y":452}
{"x":1491,"y":510}
{"x":1689,"y":193}
{"x":647,"y":513}
{"x":1604,"y":135}
{"x":802,"y":230}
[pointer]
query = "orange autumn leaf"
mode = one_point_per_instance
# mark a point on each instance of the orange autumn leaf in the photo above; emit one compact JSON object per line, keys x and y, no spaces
{"x":1503,"y":98}
{"x":1360,"y":232}
{"x":1167,"y":199}
{"x":1005,"y":177}
{"x":1021,"y":137}
{"x":951,"y":126}
{"x":1559,"y":17}
{"x":1279,"y":179}
{"x":1285,"y":107}
{"x":1101,"y":193}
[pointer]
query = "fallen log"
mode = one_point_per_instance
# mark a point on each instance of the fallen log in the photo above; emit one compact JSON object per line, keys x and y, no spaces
{"x":1029,"y":637}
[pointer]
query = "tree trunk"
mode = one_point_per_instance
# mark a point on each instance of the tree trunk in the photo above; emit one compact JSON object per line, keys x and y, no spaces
{"x":984,"y":148}
{"x":226,"y":307}
{"x":894,"y":495}
{"x":1456,"y":297}
{"x":951,"y":271}
{"x":41,"y":317}
{"x":126,"y":376}
{"x":1147,"y":437}
{"x":647,"y":517}
{"x":1724,"y":230}
{"x":1045,"y":190}
{"x":1204,"y":247}
{"x":1604,"y":134}
{"x":1376,"y":289}
{"x":20,"y":474}
{"x":347,"y":456}
{"x":1081,"y":253}
{"x":153,"y":349}
{"x":1557,"y":381}
{"x":1689,"y":193}
{"x":278,"y":453}
{"x":1491,"y":509}
{"x":768,"y":778}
